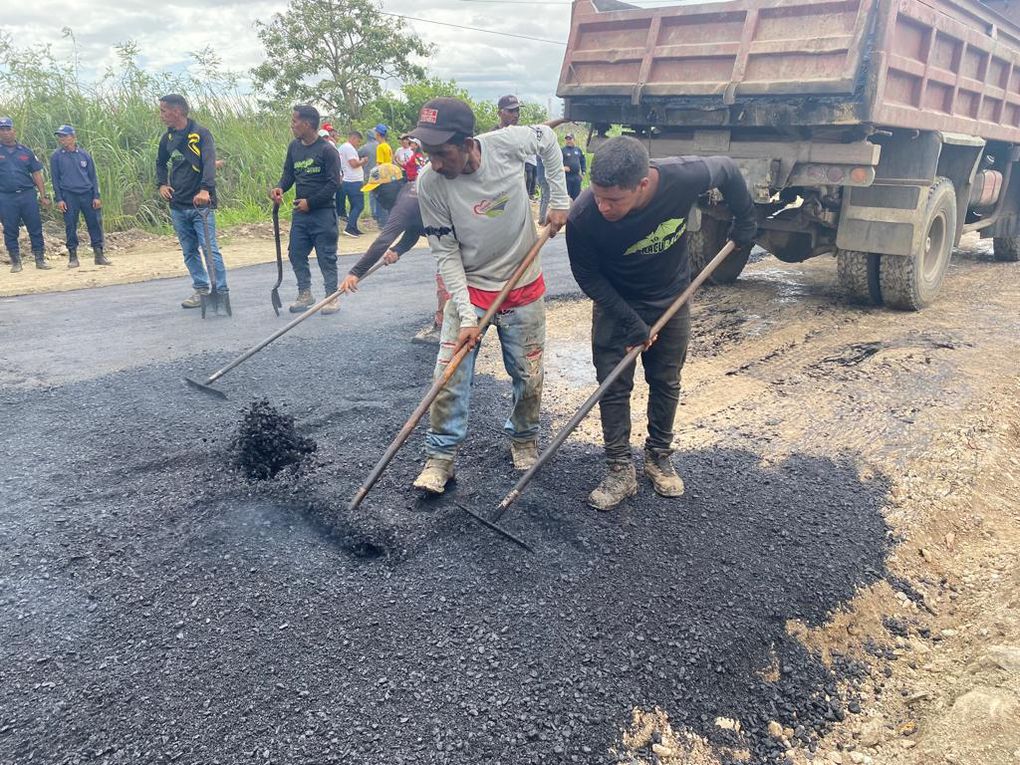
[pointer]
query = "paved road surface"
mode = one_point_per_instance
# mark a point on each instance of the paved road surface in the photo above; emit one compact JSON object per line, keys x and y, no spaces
{"x":57,"y":338}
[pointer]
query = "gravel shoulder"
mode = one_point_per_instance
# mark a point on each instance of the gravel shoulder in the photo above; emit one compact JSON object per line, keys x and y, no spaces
{"x":138,"y":256}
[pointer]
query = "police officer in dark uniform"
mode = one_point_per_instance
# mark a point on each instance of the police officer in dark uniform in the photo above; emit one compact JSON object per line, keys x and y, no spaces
{"x":76,"y":191}
{"x":575,"y":166}
{"x":20,"y":171}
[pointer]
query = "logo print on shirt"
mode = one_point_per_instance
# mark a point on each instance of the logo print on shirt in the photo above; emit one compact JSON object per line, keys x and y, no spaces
{"x":492,"y":208}
{"x":660,"y":240}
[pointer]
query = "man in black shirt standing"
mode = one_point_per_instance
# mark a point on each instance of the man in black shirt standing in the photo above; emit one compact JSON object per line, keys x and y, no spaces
{"x":574,"y":165}
{"x":313,"y":167}
{"x":627,"y":244}
{"x":190,"y":188}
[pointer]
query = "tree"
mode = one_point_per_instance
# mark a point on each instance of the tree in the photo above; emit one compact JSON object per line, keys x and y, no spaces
{"x":401,"y":111}
{"x":334,"y":53}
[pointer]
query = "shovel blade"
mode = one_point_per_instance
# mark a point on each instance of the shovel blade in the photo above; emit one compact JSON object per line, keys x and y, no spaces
{"x":277,"y":302}
{"x":205,"y":388}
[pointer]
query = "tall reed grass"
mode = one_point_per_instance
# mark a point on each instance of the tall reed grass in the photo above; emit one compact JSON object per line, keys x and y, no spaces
{"x":117,"y":121}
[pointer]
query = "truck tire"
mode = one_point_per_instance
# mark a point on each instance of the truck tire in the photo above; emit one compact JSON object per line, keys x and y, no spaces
{"x":705,"y":244}
{"x":1006,"y":248}
{"x":910,"y":283}
{"x":857,"y":273}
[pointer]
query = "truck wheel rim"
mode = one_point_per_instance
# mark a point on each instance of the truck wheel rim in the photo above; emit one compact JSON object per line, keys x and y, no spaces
{"x":933,"y":246}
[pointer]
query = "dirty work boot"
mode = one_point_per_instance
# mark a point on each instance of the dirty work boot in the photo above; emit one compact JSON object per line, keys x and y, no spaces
{"x":435,"y":475}
{"x":100,"y":257}
{"x":524,"y":454}
{"x":40,"y":262}
{"x":619,"y":483}
{"x":428,"y":335}
{"x":303,"y":303}
{"x":72,"y":259}
{"x":659,"y":469}
{"x":331,"y":307}
{"x":15,"y":264}
{"x":195,"y":301}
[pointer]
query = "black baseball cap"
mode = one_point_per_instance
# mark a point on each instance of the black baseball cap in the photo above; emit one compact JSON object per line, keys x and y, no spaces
{"x":441,"y":119}
{"x":509,"y":102}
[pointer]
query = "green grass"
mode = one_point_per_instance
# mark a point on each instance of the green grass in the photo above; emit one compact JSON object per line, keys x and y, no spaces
{"x":117,"y":121}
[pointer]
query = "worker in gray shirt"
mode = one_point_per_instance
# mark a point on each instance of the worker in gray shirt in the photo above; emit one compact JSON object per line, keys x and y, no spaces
{"x":479,"y":225}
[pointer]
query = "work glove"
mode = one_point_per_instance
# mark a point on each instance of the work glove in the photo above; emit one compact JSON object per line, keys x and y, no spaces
{"x":743,"y":232}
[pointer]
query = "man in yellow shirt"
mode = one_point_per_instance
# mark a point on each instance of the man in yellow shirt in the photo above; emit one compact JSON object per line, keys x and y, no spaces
{"x":383,"y":153}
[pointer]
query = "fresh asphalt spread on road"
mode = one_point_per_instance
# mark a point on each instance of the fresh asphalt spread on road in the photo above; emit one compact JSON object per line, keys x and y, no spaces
{"x":156,"y":606}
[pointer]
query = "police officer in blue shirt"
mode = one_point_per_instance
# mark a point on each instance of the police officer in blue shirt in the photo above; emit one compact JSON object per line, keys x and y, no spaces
{"x":76,"y":190}
{"x":20,"y":171}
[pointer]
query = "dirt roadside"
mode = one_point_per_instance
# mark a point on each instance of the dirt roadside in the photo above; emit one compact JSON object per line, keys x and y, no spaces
{"x":781,"y":365}
{"x":138,"y":256}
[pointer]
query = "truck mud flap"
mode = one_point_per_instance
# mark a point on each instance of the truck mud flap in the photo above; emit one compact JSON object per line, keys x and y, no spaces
{"x":882,"y":219}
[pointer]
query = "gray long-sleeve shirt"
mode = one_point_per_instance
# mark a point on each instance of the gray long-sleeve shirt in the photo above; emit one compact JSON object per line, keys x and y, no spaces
{"x":479,"y":225}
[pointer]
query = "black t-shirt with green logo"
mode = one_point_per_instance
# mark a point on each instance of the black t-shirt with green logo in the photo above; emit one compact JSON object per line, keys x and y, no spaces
{"x":641,"y":260}
{"x":315,"y":170}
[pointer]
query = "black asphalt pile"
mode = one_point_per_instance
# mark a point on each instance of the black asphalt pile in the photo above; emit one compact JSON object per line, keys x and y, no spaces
{"x":266,"y":441}
{"x":156,"y":607}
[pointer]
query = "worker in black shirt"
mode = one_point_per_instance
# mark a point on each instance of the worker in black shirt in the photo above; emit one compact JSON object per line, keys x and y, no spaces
{"x":574,"y":165}
{"x":190,"y":188}
{"x":76,"y":192}
{"x":20,"y":181}
{"x":627,"y":244}
{"x":313,"y":167}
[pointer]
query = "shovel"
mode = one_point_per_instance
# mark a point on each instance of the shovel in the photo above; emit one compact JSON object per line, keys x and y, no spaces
{"x":440,"y":382}
{"x":594,"y":398}
{"x":206,"y":387}
{"x":214,"y":297}
{"x":275,"y":294}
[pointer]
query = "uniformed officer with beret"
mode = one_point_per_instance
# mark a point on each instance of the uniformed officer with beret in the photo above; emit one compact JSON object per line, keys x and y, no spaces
{"x":21,"y":181}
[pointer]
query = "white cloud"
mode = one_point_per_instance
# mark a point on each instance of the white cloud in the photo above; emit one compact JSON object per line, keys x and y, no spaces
{"x":487,"y":65}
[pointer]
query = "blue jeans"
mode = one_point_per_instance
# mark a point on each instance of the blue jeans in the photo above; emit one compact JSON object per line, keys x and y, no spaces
{"x":522,"y":334}
{"x":352,"y":190}
{"x":17,"y":208}
{"x":191,"y":234}
{"x":315,"y":228}
{"x":81,"y":203}
{"x":373,"y":206}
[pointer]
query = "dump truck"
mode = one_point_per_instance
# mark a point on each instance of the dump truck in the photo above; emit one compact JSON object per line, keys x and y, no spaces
{"x":878,"y":131}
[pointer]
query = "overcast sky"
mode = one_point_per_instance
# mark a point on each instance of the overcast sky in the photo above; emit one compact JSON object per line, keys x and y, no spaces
{"x":487,"y":65}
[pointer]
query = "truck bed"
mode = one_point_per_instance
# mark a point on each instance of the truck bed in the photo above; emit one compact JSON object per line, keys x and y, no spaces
{"x":950,"y":65}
